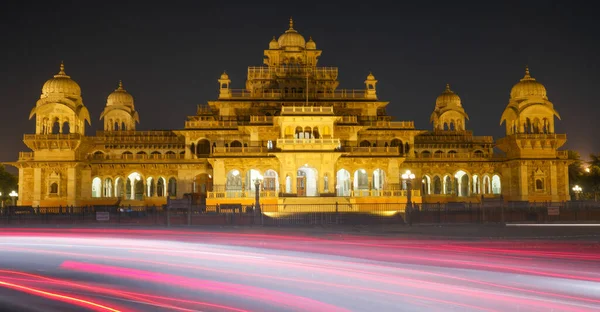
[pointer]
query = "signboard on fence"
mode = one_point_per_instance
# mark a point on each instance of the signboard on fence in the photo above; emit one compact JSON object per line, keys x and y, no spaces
{"x":553,"y":211}
{"x":102,"y":216}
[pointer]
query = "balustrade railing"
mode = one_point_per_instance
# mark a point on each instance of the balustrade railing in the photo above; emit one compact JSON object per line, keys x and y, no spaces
{"x":211,"y":124}
{"x":306,"y":110}
{"x":246,"y":149}
{"x":389,"y":124}
{"x":353,"y":193}
{"x":70,"y":136}
{"x":25,"y":155}
{"x":391,"y":150}
{"x":261,"y":119}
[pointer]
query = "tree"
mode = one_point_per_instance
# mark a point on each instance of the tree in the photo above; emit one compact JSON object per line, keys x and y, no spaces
{"x":591,"y":179}
{"x":575,"y":168}
{"x":8,"y":182}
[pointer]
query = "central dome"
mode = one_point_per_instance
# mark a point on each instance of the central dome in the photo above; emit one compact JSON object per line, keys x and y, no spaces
{"x":527,"y":87}
{"x":291,"y":38}
{"x":120,"y":97}
{"x":448,"y":98}
{"x":61,"y":84}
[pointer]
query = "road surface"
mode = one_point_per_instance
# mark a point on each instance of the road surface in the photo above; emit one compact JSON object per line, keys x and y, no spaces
{"x":211,"y":270}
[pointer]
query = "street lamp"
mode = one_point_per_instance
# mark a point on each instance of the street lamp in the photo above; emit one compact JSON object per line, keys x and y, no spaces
{"x":577,"y":190}
{"x":408,"y":177}
{"x":13,"y":195}
{"x":257,"y":182}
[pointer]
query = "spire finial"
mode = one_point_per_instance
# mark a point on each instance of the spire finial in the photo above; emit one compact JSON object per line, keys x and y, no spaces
{"x":62,"y":68}
{"x":291,"y":23}
{"x":527,"y":74}
{"x":120,"y":85}
{"x":448,"y":87}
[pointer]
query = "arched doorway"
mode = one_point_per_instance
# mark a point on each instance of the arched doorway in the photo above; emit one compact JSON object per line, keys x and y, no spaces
{"x":378,"y":180}
{"x":233,"y":185}
{"x":97,"y":187}
{"x":361,"y":181}
{"x":134,"y":187}
{"x":251,"y":178}
{"x":343,"y":183}
{"x":271,"y":181}
{"x":203,"y":183}
{"x":462,"y":180}
{"x":306,"y":184}
{"x":426,"y":185}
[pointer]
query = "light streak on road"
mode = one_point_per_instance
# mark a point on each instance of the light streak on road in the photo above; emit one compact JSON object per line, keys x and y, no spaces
{"x":194,"y":270}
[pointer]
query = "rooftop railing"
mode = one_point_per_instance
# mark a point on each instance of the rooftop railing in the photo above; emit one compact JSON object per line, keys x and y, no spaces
{"x":25,"y":155}
{"x":288,"y":110}
{"x":389,"y":124}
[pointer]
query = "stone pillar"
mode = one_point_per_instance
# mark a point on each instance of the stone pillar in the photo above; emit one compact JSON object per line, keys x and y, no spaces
{"x":132,"y":185}
{"x":72,"y":186}
{"x":155,"y":188}
{"x":37,"y":187}
{"x":523,"y":193}
{"x":554,"y":182}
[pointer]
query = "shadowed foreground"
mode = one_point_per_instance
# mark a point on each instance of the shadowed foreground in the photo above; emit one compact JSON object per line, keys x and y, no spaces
{"x":213,"y":270}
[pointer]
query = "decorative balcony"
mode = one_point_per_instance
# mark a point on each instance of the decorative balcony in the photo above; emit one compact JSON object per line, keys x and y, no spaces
{"x":308,"y":144}
{"x":306,"y":110}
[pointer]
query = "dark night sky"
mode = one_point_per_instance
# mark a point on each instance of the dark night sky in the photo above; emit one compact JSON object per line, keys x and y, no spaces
{"x":170,"y":55}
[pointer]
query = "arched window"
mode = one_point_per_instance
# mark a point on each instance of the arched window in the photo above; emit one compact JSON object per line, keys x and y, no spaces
{"x":425,"y":154}
{"x":56,"y":126}
{"x":66,"y":128}
{"x":539,"y":185}
{"x":96,"y":187}
{"x":236,"y":144}
{"x":172,"y":189}
{"x":437,"y":185}
{"x":365,"y":143}
{"x":496,"y":188}
{"x":203,"y":147}
{"x":54,"y":188}
{"x":478,"y":154}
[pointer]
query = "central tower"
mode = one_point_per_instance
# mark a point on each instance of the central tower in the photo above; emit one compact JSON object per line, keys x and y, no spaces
{"x":291,"y":70}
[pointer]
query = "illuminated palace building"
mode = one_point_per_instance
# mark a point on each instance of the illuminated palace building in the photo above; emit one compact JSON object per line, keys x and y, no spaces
{"x":304,"y":139}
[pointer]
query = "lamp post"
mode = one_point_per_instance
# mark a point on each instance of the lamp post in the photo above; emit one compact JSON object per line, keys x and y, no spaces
{"x":577,"y":190}
{"x":408,"y":177}
{"x":257,"y":182}
{"x":13,"y":195}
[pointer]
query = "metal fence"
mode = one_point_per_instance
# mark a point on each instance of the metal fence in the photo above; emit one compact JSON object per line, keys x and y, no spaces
{"x":298,"y":214}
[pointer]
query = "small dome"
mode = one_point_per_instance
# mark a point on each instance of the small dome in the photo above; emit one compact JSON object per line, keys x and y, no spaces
{"x":448,"y":98}
{"x":311,"y":45}
{"x":273,"y":45}
{"x":291,"y":38}
{"x":527,"y":87}
{"x":224,"y":76}
{"x":120,"y":97}
{"x":61,"y":84}
{"x":370,"y":76}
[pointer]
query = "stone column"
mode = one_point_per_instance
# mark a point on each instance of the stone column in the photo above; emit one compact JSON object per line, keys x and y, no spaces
{"x":37,"y":186}
{"x":72,"y":186}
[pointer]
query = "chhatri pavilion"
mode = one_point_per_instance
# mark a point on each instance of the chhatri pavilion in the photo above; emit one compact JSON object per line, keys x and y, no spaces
{"x":292,"y":130}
